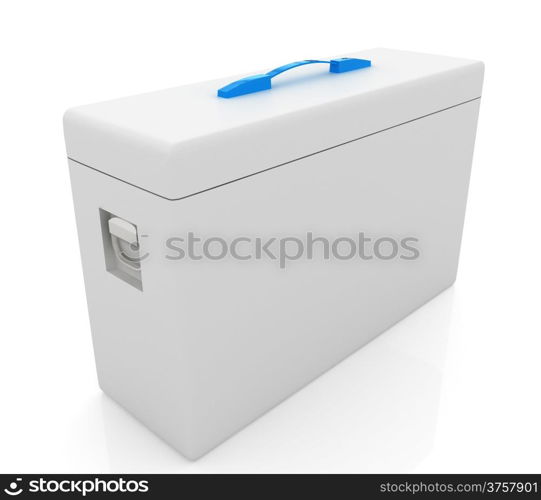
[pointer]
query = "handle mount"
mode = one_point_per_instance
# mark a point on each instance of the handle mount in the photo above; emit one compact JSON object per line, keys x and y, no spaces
{"x":256,"y":83}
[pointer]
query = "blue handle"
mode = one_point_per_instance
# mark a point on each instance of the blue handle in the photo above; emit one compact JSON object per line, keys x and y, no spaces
{"x":256,"y":83}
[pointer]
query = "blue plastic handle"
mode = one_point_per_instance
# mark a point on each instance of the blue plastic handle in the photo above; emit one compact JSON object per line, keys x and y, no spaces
{"x":256,"y":83}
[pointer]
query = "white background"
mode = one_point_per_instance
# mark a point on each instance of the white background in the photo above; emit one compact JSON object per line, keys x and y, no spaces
{"x":453,"y":388}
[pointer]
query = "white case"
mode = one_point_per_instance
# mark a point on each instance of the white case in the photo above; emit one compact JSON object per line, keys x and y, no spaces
{"x":198,"y":349}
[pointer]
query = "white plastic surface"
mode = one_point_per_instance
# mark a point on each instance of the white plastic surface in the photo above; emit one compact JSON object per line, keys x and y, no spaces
{"x":181,"y":141}
{"x":123,"y":229}
{"x":209,"y":346}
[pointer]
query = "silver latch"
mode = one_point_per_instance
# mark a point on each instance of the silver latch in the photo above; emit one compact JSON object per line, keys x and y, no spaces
{"x":121,"y":248}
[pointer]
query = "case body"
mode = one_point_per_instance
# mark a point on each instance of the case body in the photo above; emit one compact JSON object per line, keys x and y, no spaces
{"x":203,"y":347}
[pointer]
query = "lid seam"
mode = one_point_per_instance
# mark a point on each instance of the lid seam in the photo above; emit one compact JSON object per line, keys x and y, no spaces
{"x":275,"y":166}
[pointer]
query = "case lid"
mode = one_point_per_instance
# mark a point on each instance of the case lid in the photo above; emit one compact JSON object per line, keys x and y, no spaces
{"x":184,"y":140}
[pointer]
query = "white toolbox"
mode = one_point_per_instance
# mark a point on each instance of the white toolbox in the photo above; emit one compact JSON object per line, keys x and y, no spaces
{"x":196,"y":348}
